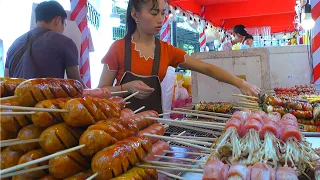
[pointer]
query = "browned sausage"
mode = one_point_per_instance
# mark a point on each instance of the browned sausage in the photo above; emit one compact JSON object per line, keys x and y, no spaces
{"x":9,"y":157}
{"x":8,"y":85}
{"x":68,"y":164}
{"x":59,"y":137}
{"x":29,"y":132}
{"x":81,"y":176}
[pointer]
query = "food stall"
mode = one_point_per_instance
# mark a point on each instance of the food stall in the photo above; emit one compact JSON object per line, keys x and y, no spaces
{"x":56,"y":129}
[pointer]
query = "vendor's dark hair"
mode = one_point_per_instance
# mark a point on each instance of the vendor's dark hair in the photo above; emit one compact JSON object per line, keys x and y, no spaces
{"x":48,"y":10}
{"x":137,"y":5}
{"x":248,"y":37}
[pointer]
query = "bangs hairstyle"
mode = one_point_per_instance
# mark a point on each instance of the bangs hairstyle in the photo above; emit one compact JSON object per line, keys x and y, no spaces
{"x":137,"y":5}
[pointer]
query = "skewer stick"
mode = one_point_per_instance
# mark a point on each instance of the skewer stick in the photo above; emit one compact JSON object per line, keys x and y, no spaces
{"x":25,"y":171}
{"x":19,"y":142}
{"x":163,"y":120}
{"x":171,"y":168}
{"x":182,"y":159}
{"x":16,"y":113}
{"x":204,"y":112}
{"x":196,"y":138}
{"x":249,"y":104}
{"x":248,"y":100}
{"x":118,"y":92}
{"x":204,"y":122}
{"x":171,"y":164}
{"x":180,"y":134}
{"x":181,"y":142}
{"x":20,"y":166}
{"x":163,"y":114}
{"x":181,"y":152}
{"x":171,"y":175}
{"x":32,"y":109}
{"x":139,"y":109}
{"x":92,"y":176}
{"x":130,"y":96}
{"x":245,"y":96}
{"x":9,"y":140}
{"x":180,"y":139}
{"x":214,"y":133}
{"x":251,"y":109}
{"x":8,"y":98}
{"x":128,"y":102}
{"x":200,"y":115}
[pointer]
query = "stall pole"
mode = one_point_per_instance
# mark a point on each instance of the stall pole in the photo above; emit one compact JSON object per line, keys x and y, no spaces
{"x":165,"y":30}
{"x":174,"y":33}
{"x":79,"y":11}
{"x":202,"y":36}
{"x":315,"y":4}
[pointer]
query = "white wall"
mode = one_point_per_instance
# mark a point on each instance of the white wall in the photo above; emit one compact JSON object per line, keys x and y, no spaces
{"x":15,"y":21}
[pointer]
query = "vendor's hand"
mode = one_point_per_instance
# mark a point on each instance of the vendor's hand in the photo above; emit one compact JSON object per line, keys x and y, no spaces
{"x":134,"y":86}
{"x":249,"y":89}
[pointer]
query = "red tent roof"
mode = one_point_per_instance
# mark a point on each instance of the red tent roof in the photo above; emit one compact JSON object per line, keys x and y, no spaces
{"x":278,"y":14}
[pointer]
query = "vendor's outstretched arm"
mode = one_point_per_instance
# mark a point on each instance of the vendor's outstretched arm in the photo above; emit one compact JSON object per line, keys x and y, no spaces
{"x":220,"y":75}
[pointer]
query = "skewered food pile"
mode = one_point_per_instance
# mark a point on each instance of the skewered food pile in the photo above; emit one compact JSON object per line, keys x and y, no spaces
{"x":8,"y":85}
{"x":302,"y":110}
{"x":261,"y":143}
{"x":303,"y":89}
{"x":105,"y":134}
{"x":217,"y":107}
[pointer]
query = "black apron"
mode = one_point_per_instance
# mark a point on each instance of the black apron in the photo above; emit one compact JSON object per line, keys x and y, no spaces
{"x":154,"y":100}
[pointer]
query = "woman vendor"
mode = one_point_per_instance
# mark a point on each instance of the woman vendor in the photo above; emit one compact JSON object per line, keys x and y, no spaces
{"x":139,"y":61}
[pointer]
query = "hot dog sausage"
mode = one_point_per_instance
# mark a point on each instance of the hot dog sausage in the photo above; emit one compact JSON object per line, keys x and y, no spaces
{"x":138,"y":173}
{"x":47,"y":119}
{"x":9,"y":157}
{"x":29,"y":132}
{"x":59,"y":137}
{"x":30,"y":156}
{"x":81,"y":176}
{"x":8,"y":85}
{"x":157,"y":149}
{"x":116,"y":159}
{"x":32,"y":91}
{"x":126,"y":113}
{"x":68,"y":164}
{"x":157,"y":129}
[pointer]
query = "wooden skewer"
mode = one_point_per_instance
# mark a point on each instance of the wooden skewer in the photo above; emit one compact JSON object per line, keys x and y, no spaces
{"x":180,"y":134}
{"x":9,"y":140}
{"x":248,"y":100}
{"x":214,"y":133}
{"x":32,"y":109}
{"x":245,"y":96}
{"x":249,"y":104}
{"x":171,"y":164}
{"x":178,"y":139}
{"x":181,"y":152}
{"x":241,"y":108}
{"x":204,"y":122}
{"x":19,"y":142}
{"x":130,"y":96}
{"x":16,"y":113}
{"x":200,"y":115}
{"x":139,"y":109}
{"x":20,"y":166}
{"x":198,"y":124}
{"x":204,"y":112}
{"x":171,"y":175}
{"x":25,"y":171}
{"x":197,"y":138}
{"x":171,"y":168}
{"x":128,"y":103}
{"x":182,"y":159}
{"x":163,"y":114}
{"x":118,"y":92}
{"x":92,"y":176}
{"x":8,"y":98}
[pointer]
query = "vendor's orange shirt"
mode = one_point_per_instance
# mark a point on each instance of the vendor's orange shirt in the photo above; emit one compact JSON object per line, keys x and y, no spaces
{"x":170,"y":56}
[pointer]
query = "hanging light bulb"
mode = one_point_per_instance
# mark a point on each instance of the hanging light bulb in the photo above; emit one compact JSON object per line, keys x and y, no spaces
{"x":307,"y":21}
{"x":191,"y":20}
{"x":170,"y":14}
{"x":184,"y":16}
{"x":177,"y":10}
